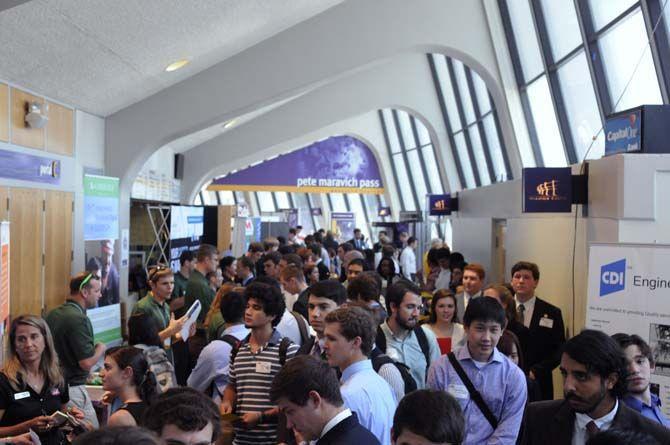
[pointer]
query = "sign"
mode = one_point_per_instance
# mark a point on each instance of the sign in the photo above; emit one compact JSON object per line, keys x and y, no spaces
{"x":291,"y":217}
{"x":340,"y":164}
{"x":25,"y":167}
{"x":242,"y":210}
{"x":384,"y":211}
{"x":106,"y":322}
{"x":629,"y":291}
{"x":343,"y":225}
{"x":439,"y":205}
{"x":623,"y":132}
{"x":547,"y":190}
{"x":101,"y":208}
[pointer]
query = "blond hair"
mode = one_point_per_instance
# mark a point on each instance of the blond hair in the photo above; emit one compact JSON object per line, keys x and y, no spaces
{"x":14,"y":369}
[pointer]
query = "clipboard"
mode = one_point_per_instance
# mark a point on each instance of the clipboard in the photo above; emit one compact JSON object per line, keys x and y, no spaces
{"x":192,"y":317}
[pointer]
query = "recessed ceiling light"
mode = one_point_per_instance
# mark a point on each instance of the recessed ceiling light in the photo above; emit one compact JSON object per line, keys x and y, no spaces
{"x":174,"y":66}
{"x":230,"y":123}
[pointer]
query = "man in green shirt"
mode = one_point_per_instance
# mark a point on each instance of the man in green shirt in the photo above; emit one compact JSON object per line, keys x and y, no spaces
{"x":207,"y":260}
{"x":73,"y":338}
{"x":186,"y":264}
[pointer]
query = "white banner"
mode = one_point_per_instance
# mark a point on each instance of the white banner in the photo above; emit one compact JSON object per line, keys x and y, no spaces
{"x":629,"y":291}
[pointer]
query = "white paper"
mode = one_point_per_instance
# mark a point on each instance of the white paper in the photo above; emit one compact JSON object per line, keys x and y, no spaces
{"x":192,"y":315}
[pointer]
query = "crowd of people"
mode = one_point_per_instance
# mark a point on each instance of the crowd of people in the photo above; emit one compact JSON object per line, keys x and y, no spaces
{"x":306,"y":340}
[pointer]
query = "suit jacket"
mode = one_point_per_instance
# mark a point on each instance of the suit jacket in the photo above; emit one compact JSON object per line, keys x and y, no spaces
{"x":552,"y":423}
{"x":460,"y":303}
{"x":363,"y":243}
{"x":543,"y":345}
{"x":348,"y":432}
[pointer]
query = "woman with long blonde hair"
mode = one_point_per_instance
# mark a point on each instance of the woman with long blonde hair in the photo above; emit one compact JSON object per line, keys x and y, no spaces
{"x":32,"y":387}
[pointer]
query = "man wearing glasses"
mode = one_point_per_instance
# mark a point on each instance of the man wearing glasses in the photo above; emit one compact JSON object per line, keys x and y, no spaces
{"x":73,"y":338}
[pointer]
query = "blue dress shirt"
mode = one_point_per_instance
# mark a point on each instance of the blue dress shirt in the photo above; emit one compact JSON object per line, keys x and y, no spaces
{"x":370,"y":397}
{"x":502,"y":385}
{"x":652,"y":412}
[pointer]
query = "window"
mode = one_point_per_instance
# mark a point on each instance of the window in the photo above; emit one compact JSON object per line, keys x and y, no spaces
{"x":525,"y":38}
{"x":604,"y":11}
{"x":226,"y":197}
{"x":562,"y":27}
{"x":337,"y":202}
{"x":282,"y":200}
{"x":462,"y":150}
{"x":265,"y":202}
{"x":356,"y":206}
{"x":480,"y":157}
{"x":546,"y":125}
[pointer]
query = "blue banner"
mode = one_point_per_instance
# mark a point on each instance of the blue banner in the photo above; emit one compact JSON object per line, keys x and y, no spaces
{"x":26,"y":167}
{"x":547,"y":190}
{"x":439,"y":205}
{"x":623,"y":133}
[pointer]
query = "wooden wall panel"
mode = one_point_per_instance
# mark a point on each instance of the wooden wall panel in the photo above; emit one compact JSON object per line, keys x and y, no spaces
{"x":60,"y":130}
{"x":21,"y":134}
{"x":57,"y":247}
{"x":25,"y":238}
{"x":4,"y":112}
{"x":4,"y":195}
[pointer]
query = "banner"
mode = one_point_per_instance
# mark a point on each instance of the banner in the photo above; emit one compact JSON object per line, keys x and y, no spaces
{"x":343,"y":225}
{"x":26,"y":167}
{"x":629,"y":291}
{"x":340,"y":164}
{"x":106,"y":323}
{"x":101,"y":208}
{"x":439,"y":205}
{"x":547,"y":189}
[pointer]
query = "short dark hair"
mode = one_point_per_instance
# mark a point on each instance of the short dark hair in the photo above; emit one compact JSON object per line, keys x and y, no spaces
{"x":185,"y":256}
{"x":484,"y":309}
{"x":355,"y":322}
{"x":622,"y":437}
{"x":205,"y":251}
{"x":143,"y":330}
{"x":255,"y":247}
{"x":395,"y":293}
{"x":316,"y":249}
{"x":246,"y":262}
{"x":445,"y":424}
{"x":226,"y":261}
{"x":232,"y":306}
{"x":118,"y":435}
{"x":185,"y":408}
{"x":437,"y":296}
{"x":158,"y":271}
{"x":303,"y":374}
{"x":626,"y":340}
{"x":600,"y":354}
{"x":364,"y":287}
{"x":275,"y":257}
{"x":82,"y":281}
{"x":269,"y":297}
{"x":507,"y":340}
{"x":527,"y":265}
{"x":357,"y":230}
{"x":331,"y":289}
{"x":357,"y":262}
{"x":410,"y":240}
{"x":347,"y":247}
{"x":387,"y":251}
{"x":293,"y":258}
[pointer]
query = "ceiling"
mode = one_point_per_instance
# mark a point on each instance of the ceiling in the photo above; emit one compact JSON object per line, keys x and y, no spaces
{"x":101,"y":56}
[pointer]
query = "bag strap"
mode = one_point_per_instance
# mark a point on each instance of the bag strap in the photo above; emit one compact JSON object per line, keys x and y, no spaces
{"x":302,"y":326}
{"x":237,"y":347}
{"x":474,"y":394}
{"x":283,"y":350}
{"x":380,"y":341}
{"x":230,"y":339}
{"x":423,"y":344}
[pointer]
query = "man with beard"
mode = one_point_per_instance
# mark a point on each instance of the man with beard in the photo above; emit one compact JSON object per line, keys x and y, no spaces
{"x":640,"y":366}
{"x":594,"y":373}
{"x":401,"y":337}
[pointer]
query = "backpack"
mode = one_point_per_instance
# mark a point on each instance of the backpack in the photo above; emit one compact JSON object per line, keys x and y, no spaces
{"x":380,"y":341}
{"x":302,"y":327}
{"x":283,"y":348}
{"x":380,"y":359}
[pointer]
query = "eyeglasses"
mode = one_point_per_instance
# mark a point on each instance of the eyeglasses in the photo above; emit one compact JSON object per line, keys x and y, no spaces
{"x":89,"y":277}
{"x":155,"y":269}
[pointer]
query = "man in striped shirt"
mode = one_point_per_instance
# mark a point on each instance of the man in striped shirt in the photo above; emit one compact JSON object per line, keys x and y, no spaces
{"x":254,"y":364}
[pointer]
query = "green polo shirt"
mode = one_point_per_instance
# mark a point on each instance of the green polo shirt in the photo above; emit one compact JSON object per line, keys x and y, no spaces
{"x":160,"y":312}
{"x":198,"y":289}
{"x":180,"y":284}
{"x":73,"y":338}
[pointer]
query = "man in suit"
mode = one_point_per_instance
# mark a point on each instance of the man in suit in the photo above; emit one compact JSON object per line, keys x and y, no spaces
{"x":358,"y":241}
{"x":473,"y":282}
{"x":307,"y":391}
{"x":412,"y":426}
{"x":545,"y":323}
{"x":594,"y":372}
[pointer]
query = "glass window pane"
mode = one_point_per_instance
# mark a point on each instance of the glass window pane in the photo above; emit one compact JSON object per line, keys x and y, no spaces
{"x":371,"y":207}
{"x":337,"y":201}
{"x":357,"y":207}
{"x":604,"y":11}
{"x":482,"y":93}
{"x":562,"y":27}
{"x":282,"y":200}
{"x":447,"y":91}
{"x":403,"y":181}
{"x":406,"y":130}
{"x":239,"y":197}
{"x":226,"y":197}
{"x":424,"y":136}
{"x":523,"y":28}
{"x":265,"y":202}
{"x":480,"y":157}
{"x":581,"y":106}
{"x":431,"y":169}
{"x":464,"y":91}
{"x":495,"y":148}
{"x":198,"y":200}
{"x":391,"y":131}
{"x":621,"y":47}
{"x":546,"y":126}
{"x":417,"y":176}
{"x":462,"y":150}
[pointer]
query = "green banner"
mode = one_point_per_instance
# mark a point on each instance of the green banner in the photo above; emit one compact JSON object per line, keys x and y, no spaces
{"x":102,"y":186}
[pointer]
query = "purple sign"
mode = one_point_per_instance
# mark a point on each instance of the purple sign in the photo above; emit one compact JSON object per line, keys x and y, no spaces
{"x":15,"y":165}
{"x":439,"y":205}
{"x":339,"y":164}
{"x":547,"y":189}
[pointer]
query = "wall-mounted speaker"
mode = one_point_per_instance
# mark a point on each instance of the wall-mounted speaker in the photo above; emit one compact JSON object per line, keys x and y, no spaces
{"x":179,"y":166}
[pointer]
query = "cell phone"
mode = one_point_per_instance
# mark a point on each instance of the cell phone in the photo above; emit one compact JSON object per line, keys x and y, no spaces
{"x":60,"y":418}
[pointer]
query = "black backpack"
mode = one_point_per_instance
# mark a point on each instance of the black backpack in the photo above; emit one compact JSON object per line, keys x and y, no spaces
{"x":380,"y":359}
{"x":380,"y":341}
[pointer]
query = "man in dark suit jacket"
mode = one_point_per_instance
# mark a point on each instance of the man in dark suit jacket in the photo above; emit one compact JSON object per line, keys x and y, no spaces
{"x":307,"y":391}
{"x":542,"y":350}
{"x":594,"y":370}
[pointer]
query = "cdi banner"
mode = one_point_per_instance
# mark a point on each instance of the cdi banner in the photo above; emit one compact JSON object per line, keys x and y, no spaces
{"x":341,"y":164}
{"x":629,"y":291}
{"x":101,"y":208}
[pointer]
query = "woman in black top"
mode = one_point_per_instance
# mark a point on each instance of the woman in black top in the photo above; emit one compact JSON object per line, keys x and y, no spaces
{"x":31,"y":384}
{"x":126,"y":374}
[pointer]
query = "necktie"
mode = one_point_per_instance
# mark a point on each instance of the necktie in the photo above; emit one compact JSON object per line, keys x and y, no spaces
{"x":521,"y":310}
{"x":591,"y":429}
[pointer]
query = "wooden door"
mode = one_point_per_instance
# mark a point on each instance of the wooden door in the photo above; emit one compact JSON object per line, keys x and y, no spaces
{"x":57,"y":247}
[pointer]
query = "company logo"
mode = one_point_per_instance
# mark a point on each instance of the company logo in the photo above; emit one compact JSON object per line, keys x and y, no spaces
{"x":548,"y":191}
{"x":613,"y":277}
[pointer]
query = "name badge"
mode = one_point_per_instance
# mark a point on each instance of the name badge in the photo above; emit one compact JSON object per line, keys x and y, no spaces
{"x":263,"y":368}
{"x":546,"y":322}
{"x":21,"y":395}
{"x":458,"y":391}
